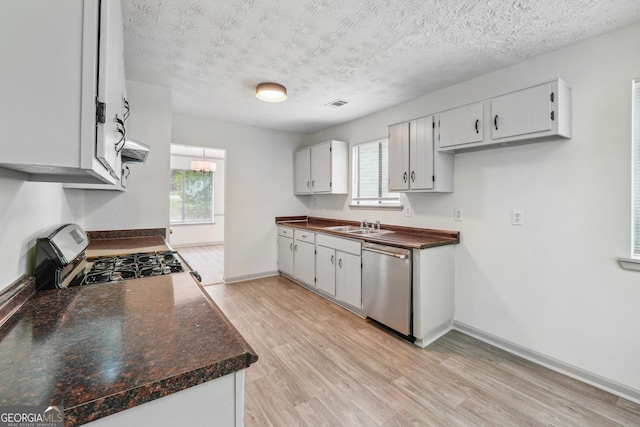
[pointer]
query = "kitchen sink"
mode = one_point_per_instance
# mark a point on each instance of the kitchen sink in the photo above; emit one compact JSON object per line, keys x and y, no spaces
{"x":367,"y":231}
{"x":344,"y":228}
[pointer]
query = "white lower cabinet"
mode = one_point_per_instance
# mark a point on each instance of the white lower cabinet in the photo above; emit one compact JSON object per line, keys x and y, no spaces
{"x":326,"y":270}
{"x":285,"y":250}
{"x":297,"y":254}
{"x":339,"y":269}
{"x":349,"y":279}
{"x":304,"y":265}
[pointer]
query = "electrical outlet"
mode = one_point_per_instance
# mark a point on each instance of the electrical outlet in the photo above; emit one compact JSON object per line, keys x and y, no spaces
{"x":407,"y":211}
{"x":457,"y":214}
{"x":517,"y":217}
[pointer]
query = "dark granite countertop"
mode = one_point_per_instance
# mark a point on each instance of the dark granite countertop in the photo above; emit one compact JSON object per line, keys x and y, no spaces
{"x":103,"y":348}
{"x":402,"y":237}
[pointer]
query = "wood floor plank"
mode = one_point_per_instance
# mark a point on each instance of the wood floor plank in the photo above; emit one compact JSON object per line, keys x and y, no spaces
{"x":320,"y":364}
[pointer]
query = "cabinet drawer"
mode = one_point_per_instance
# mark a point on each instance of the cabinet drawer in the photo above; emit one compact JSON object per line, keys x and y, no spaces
{"x":304,"y":236}
{"x":285,"y":232}
{"x":344,"y":245}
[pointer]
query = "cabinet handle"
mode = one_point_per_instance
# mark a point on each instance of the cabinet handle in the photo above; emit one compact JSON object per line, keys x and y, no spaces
{"x":127,"y":173}
{"x":553,"y":116}
{"x":331,"y":259}
{"x":122,"y":130}
{"x":291,"y":246}
{"x":127,"y":109}
{"x":295,"y":248}
{"x":340,"y":262}
{"x":413,"y":176}
{"x":477,"y":123}
{"x":307,"y":184}
{"x":495,"y":121}
{"x":404,"y":176}
{"x":313,"y":184}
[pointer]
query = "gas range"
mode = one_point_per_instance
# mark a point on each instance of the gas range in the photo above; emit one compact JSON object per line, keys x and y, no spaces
{"x":118,"y":268}
{"x":61,"y":262}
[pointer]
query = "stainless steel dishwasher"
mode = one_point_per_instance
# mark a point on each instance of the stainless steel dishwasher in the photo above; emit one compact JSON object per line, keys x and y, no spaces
{"x":386,"y":286}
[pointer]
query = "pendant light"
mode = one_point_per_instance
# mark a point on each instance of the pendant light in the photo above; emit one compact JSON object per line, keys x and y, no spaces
{"x":203,"y":165}
{"x":271,"y":92}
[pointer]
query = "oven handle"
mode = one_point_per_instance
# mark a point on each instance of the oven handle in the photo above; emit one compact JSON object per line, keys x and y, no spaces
{"x":378,"y":251}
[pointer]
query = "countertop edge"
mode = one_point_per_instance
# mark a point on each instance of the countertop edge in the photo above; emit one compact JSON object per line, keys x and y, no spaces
{"x":118,"y":402}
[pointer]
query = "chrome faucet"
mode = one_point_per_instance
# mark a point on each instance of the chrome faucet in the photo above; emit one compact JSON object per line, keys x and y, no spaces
{"x":378,"y":225}
{"x":364,"y":224}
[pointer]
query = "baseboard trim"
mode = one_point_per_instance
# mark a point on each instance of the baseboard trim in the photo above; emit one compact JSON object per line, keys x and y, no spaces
{"x":572,"y":371}
{"x":244,"y":278}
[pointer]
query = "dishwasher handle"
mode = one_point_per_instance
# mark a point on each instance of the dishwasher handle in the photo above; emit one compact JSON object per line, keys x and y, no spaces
{"x":379,"y":251}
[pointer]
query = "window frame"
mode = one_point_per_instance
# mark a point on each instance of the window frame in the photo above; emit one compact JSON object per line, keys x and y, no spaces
{"x":364,"y":202}
{"x":633,"y":262}
{"x":212,"y":218}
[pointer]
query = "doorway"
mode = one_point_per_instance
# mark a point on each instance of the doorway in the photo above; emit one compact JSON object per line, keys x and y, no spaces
{"x":197,"y":206}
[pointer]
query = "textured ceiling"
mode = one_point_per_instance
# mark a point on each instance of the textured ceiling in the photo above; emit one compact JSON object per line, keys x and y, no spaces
{"x":372,"y":53}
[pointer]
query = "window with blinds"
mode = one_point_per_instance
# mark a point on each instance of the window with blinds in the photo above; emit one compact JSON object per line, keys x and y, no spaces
{"x":635,"y":120}
{"x":371,"y":175}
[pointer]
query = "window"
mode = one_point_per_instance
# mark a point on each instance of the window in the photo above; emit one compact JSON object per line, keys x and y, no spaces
{"x":191,"y":198}
{"x":635,"y":131}
{"x":371,"y":175}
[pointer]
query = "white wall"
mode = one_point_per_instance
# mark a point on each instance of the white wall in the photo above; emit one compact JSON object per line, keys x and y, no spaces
{"x":28,"y":210}
{"x":259,"y":180}
{"x":552,"y":285}
{"x":145,"y":203}
{"x":197,"y":234}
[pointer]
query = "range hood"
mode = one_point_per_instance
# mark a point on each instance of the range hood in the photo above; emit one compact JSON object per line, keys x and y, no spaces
{"x":134,"y":152}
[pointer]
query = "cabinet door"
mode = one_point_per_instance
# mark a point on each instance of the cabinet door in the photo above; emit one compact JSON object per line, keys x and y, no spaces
{"x":304,"y":262}
{"x":349,"y":279}
{"x":399,"y":157}
{"x":302,"y":171}
{"x":460,"y":126}
{"x":321,"y":168}
{"x":326,"y":270}
{"x":421,"y":153}
{"x":523,"y":112}
{"x":285,"y":255}
{"x":110,"y":85}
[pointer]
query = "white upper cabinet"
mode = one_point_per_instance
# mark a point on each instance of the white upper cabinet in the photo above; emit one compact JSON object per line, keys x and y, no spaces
{"x":302,"y":171}
{"x":534,"y":114}
{"x":421,"y":154}
{"x":59,"y":59}
{"x":524,"y":112}
{"x":462,"y":125}
{"x":414,"y":164}
{"x":399,"y":157}
{"x":322,"y":168}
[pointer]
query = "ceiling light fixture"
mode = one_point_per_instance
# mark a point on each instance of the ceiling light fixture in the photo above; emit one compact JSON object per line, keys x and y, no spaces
{"x":271,"y":92}
{"x":203,"y":165}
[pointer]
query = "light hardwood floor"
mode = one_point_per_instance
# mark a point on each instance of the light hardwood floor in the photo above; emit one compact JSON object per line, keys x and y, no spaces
{"x":207,"y":260}
{"x":320,"y":365}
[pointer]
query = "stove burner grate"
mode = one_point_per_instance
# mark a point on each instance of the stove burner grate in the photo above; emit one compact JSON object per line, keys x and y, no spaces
{"x":118,"y":268}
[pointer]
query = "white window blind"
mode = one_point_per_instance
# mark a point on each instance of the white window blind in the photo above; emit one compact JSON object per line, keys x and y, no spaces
{"x":636,"y":166}
{"x":371,"y":175}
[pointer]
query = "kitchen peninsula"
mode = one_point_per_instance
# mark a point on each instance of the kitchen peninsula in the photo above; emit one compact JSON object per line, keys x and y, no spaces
{"x":102,"y":349}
